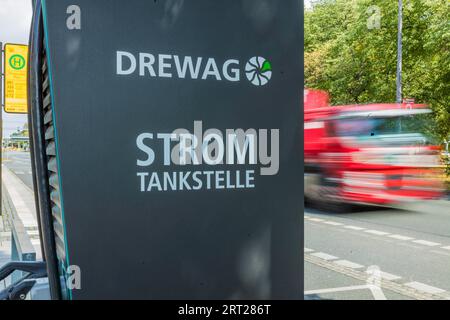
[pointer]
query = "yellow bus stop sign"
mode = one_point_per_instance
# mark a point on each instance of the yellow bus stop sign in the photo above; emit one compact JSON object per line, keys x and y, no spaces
{"x":16,"y":73}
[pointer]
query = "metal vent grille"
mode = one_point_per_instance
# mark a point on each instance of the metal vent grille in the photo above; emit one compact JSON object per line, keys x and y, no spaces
{"x":52,"y":163}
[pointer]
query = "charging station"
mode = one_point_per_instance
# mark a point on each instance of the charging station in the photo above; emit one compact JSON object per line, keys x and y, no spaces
{"x":168,"y":147}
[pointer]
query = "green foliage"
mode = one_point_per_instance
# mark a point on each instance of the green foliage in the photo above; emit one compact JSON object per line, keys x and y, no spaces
{"x":357,"y":64}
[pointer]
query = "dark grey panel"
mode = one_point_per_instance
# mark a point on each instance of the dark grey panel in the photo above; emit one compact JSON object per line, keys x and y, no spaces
{"x":217,"y":244}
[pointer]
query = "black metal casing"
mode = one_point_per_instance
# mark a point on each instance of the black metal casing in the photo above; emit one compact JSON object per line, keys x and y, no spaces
{"x":85,"y":119}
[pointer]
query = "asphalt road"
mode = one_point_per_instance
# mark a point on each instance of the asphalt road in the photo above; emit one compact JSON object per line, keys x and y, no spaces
{"x":407,"y":250}
{"x":19,"y":163}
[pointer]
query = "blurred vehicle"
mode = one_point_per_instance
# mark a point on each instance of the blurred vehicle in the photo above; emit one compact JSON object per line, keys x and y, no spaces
{"x":377,"y":154}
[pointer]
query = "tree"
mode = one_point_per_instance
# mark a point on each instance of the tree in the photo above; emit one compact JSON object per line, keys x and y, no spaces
{"x":357,"y":63}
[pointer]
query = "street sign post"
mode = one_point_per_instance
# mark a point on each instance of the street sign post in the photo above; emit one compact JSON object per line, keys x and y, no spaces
{"x":15,"y":64}
{"x":173,"y":130}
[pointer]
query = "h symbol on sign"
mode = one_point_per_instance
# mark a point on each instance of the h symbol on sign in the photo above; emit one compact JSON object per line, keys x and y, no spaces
{"x":17,"y":62}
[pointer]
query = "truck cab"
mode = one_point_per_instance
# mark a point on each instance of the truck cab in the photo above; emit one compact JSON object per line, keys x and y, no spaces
{"x":379,"y":154}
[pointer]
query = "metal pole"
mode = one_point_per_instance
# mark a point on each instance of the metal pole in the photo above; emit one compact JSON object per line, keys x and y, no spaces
{"x":399,"y":52}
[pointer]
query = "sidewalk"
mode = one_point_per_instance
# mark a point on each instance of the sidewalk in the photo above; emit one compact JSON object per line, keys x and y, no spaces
{"x":5,"y":243}
{"x":5,"y":248}
{"x":23,"y":200}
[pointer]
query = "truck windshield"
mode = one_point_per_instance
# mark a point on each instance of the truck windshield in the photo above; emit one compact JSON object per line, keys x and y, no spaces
{"x":374,"y":126}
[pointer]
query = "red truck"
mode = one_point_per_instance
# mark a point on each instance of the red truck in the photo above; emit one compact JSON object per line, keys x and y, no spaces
{"x":376,"y":154}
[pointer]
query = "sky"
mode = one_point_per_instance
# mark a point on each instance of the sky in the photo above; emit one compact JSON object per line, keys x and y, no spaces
{"x":15,"y":20}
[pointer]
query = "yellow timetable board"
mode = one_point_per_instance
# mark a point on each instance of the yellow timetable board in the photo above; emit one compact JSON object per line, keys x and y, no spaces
{"x":16,"y":73}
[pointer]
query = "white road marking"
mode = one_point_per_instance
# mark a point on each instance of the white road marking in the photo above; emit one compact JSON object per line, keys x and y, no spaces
{"x":307,"y":250}
{"x":341,"y":289}
{"x":324,"y":256}
{"x":332,"y":223}
{"x":424,"y":287}
{"x":387,"y":276}
{"x":376,"y":232}
{"x":354,"y":228}
{"x":316,"y":219}
{"x":427,"y":243}
{"x":446,"y":248}
{"x":399,"y":237}
{"x":19,"y":172}
{"x":376,"y":291}
{"x":442,"y":253}
{"x":348,"y":264}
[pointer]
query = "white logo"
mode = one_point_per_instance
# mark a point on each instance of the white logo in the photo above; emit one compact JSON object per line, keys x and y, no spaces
{"x":258,"y":71}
